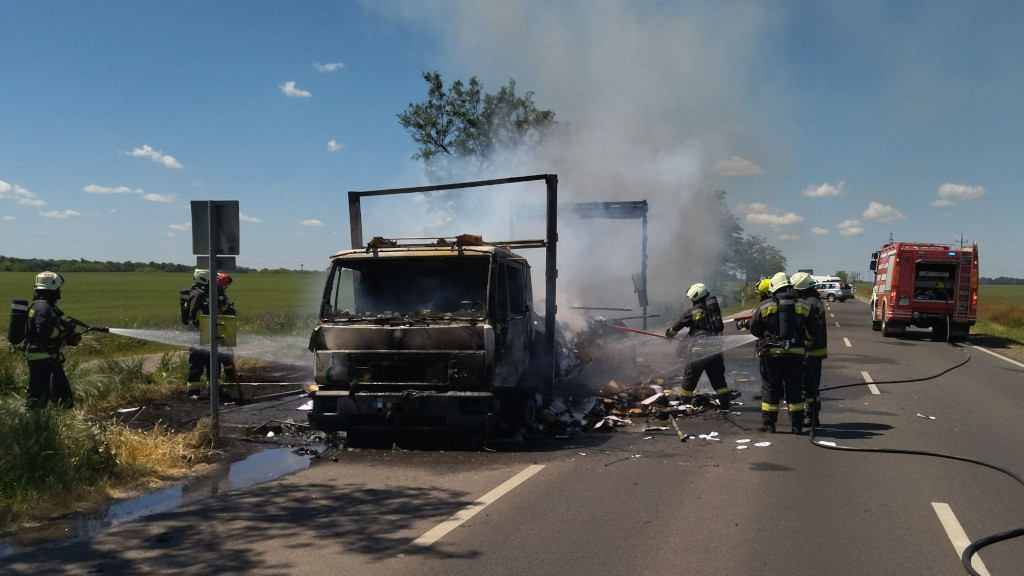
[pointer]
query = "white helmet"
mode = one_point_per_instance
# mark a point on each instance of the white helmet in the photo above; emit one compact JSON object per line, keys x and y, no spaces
{"x":697,"y":291}
{"x":201,"y":276}
{"x":779,"y":281}
{"x":49,"y":281}
{"x":801,"y":281}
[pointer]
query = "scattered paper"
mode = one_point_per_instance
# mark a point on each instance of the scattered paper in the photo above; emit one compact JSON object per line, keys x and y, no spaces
{"x":762,"y":444}
{"x":742,"y":447}
{"x":923,"y":416}
{"x":307,"y":406}
{"x":651,"y":399}
{"x":128,"y":409}
{"x":743,"y":440}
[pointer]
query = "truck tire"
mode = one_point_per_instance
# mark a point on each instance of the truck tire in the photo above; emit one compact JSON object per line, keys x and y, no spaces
{"x":876,"y":322}
{"x":890,"y":328}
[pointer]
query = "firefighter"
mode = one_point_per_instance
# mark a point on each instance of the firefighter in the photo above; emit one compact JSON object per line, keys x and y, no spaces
{"x":816,"y":348}
{"x":763,"y":294}
{"x":47,"y":332}
{"x":703,"y":345}
{"x":198,"y":303}
{"x":782,"y":324}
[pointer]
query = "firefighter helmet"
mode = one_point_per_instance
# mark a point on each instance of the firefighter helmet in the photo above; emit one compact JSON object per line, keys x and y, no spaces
{"x":201,"y":276}
{"x":801,"y":281}
{"x":697,"y":291}
{"x":49,"y":281}
{"x":778,"y":282}
{"x":223,"y":280}
{"x":762,"y":286}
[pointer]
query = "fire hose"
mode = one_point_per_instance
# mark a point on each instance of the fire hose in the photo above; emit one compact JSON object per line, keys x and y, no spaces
{"x":637,"y":331}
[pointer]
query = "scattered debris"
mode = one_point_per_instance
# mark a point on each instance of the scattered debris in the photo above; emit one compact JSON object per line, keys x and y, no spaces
{"x":923,"y":416}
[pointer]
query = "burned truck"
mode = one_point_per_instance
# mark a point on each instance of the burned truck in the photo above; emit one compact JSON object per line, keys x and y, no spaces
{"x":430,"y":336}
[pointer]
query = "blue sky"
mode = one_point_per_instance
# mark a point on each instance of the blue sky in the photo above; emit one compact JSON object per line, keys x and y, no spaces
{"x":830,"y":125}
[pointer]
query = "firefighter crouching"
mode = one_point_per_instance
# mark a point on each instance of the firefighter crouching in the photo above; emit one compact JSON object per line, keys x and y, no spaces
{"x":197,"y":303}
{"x":781,"y":325}
{"x":816,"y":348}
{"x":47,"y":331}
{"x":703,"y":345}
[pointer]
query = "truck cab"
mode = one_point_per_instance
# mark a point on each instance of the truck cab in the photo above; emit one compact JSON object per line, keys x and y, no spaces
{"x":416,"y":337}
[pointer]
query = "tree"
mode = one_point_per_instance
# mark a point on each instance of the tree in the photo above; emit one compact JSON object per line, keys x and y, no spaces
{"x":460,"y":128}
{"x":754,"y":259}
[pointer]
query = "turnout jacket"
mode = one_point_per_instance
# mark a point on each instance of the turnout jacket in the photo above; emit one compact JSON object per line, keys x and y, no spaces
{"x":765,"y":325}
{"x":817,"y":347}
{"x":47,"y":331}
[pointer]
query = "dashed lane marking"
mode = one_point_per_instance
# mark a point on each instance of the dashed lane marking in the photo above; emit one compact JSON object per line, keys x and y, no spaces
{"x":847,"y":342}
{"x":957,"y":535}
{"x":867,"y":378}
{"x":437,"y":532}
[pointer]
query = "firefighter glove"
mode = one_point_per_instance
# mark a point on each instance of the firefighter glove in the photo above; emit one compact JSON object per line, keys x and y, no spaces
{"x":743,"y":324}
{"x":670,"y":333}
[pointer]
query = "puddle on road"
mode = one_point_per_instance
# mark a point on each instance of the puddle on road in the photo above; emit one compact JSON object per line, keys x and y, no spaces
{"x":263,"y":466}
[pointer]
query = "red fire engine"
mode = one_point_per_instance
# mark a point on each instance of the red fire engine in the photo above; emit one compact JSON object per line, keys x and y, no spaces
{"x":925,"y":285}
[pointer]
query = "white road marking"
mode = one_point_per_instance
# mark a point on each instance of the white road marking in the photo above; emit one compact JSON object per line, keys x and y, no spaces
{"x":957,"y":535}
{"x":867,"y":378}
{"x":847,"y":342}
{"x":837,"y":324}
{"x":437,"y":532}
{"x":1000,"y":356}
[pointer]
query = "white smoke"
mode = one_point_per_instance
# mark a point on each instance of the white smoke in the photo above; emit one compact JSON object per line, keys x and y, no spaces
{"x":646,"y":95}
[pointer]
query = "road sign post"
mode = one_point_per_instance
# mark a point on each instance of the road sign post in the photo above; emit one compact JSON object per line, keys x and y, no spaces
{"x":214,"y":232}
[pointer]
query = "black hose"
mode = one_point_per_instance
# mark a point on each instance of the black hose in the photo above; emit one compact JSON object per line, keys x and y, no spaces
{"x":975,"y":546}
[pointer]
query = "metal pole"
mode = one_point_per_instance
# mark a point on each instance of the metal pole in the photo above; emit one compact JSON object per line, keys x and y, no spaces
{"x":551,"y":274}
{"x":214,"y":359}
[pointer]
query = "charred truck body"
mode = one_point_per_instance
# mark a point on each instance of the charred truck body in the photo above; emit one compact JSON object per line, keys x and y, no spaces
{"x":430,"y":336}
{"x":925,"y":285}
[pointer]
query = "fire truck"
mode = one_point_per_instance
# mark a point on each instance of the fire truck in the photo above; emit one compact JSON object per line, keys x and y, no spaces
{"x":926,"y":286}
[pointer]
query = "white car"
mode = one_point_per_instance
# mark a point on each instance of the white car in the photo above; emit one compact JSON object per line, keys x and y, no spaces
{"x":833,"y":291}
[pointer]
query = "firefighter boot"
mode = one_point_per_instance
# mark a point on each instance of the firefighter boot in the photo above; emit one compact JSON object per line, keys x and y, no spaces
{"x":796,"y":418}
{"x":767,"y":422}
{"x":724,"y":400}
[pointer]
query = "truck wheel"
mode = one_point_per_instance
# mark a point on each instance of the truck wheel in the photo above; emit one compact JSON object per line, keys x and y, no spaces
{"x":940,"y":333}
{"x":888,"y":329}
{"x":876,"y":324}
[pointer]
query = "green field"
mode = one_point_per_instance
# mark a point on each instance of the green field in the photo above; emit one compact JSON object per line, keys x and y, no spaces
{"x":266,"y":302}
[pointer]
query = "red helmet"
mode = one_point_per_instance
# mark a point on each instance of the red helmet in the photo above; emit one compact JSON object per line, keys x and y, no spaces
{"x":223,"y":280}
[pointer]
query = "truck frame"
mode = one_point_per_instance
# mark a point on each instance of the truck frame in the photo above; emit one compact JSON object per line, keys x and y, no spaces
{"x":433,"y":335}
{"x":927,"y":286}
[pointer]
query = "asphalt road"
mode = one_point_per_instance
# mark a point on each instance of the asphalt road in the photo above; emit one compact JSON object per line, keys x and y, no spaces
{"x":639,"y":501}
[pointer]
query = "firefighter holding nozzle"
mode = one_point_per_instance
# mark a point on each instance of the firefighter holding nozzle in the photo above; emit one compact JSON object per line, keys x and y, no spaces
{"x":703,"y":345}
{"x":196,"y":304}
{"x":46,"y":331}
{"x":782,"y":325}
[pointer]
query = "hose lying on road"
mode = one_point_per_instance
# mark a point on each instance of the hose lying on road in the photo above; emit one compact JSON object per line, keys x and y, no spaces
{"x":975,"y":546}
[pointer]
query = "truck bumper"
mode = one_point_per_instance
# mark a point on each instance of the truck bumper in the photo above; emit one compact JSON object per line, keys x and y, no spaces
{"x":409,"y":411}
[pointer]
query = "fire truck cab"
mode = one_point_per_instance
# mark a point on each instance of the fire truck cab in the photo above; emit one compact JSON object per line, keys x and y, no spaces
{"x":927,"y":286}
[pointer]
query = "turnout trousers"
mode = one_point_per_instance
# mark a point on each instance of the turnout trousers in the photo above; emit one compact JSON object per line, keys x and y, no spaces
{"x":782,"y":375}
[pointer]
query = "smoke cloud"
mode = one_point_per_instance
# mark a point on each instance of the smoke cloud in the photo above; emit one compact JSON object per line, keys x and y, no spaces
{"x":646,"y":95}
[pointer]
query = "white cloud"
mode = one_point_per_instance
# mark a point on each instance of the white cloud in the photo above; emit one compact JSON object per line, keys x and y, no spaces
{"x":181,"y":227}
{"x":21,"y":196}
{"x":825,"y":189}
{"x":762,"y":214}
{"x":329,"y":67}
{"x":168,"y":198}
{"x":333,"y":146}
{"x":94,"y":189}
{"x":882,"y":213}
{"x":159,"y":157}
{"x":60,"y":214}
{"x":789,"y":237}
{"x":313,"y":222}
{"x":951,"y":193}
{"x":850,"y":228}
{"x":820,"y":231}
{"x":8,"y":218}
{"x":289,"y":89}
{"x":247,"y":218}
{"x":737,"y":166}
